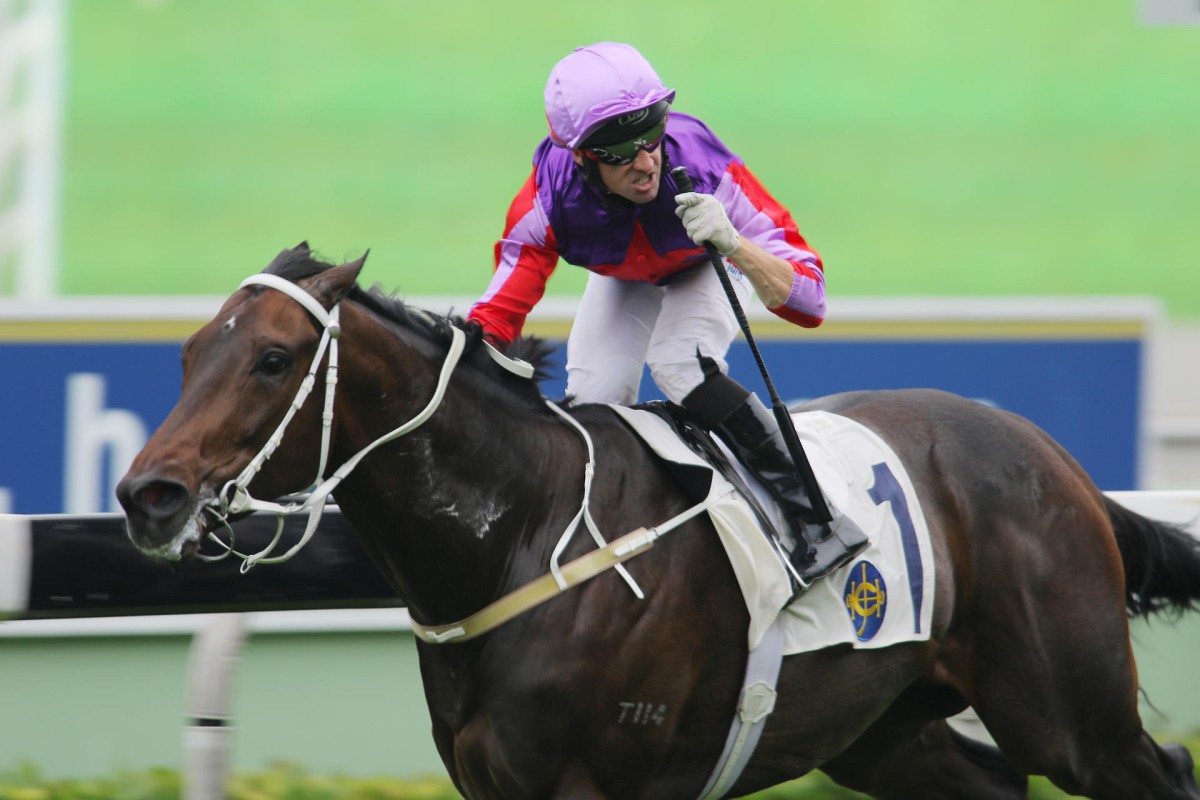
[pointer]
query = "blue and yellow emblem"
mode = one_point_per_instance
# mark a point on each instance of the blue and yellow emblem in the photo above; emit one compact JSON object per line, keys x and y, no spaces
{"x":866,"y":599}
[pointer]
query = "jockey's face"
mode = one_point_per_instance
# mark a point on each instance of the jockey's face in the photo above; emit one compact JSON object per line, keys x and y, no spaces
{"x":636,"y":181}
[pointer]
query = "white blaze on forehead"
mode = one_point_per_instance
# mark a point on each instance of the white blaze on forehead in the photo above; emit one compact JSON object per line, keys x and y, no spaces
{"x":229,"y":324}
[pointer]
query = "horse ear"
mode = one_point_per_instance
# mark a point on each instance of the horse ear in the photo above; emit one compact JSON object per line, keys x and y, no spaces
{"x":330,"y":286}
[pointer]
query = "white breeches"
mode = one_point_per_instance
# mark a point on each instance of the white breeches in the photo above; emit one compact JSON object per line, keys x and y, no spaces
{"x":623,"y":325}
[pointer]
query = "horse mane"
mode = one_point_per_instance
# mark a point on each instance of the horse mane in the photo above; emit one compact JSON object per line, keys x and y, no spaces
{"x":300,"y":262}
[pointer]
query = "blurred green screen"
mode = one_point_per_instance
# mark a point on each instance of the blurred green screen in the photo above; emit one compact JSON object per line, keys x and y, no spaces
{"x":924,"y":147}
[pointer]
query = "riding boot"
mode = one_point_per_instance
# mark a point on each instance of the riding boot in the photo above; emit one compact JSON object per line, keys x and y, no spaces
{"x":750,"y":430}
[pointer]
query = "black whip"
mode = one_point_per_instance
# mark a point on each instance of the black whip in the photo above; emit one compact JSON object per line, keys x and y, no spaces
{"x":782,"y":416}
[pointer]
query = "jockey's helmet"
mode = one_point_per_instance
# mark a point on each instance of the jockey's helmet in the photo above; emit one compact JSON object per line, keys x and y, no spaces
{"x":603,"y":93}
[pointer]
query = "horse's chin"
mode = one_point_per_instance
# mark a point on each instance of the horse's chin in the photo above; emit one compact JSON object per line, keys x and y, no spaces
{"x":164,"y":546}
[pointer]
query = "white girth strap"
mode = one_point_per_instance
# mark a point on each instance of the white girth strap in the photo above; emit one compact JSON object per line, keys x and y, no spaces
{"x":755,"y":704}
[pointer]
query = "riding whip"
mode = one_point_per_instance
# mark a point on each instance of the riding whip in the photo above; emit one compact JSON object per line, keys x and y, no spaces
{"x":782,"y":416}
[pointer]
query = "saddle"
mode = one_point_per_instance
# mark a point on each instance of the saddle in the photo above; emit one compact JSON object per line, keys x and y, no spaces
{"x":695,"y":482}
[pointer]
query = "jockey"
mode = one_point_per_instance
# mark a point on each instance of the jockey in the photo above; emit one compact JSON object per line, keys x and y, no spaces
{"x":601,"y":197}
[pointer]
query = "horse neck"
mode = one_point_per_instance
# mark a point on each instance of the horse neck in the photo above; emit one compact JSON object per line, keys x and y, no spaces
{"x":452,"y":510}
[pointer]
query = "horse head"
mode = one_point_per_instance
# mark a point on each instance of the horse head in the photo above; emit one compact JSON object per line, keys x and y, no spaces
{"x":241,"y":374}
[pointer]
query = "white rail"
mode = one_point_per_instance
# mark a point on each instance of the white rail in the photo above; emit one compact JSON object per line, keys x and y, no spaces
{"x":32,"y":70}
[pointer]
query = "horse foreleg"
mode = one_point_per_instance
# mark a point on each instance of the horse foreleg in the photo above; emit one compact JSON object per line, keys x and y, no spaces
{"x":897,"y":760}
{"x":910,"y":752}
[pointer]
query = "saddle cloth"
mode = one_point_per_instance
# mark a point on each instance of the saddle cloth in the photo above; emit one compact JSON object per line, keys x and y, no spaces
{"x":883,"y":597}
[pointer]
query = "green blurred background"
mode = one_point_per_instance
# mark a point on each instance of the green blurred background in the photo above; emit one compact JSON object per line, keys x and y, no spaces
{"x":926,"y":147}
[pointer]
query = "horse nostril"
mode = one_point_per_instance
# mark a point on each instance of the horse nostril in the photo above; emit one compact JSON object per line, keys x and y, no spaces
{"x":156,"y":498}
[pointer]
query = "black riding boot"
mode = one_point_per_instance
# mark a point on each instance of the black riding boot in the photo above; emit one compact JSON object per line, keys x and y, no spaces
{"x":749,"y":429}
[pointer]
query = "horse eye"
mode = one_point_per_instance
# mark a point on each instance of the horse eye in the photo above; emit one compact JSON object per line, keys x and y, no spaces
{"x":273,"y":362}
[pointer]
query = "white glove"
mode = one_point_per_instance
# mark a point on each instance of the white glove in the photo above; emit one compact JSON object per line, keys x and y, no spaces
{"x":706,"y":221}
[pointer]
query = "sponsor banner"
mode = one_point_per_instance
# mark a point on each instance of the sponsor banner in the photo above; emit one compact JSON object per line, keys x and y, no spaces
{"x":77,"y":406}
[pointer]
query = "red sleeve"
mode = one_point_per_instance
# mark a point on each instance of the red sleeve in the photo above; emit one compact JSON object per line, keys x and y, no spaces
{"x":780,"y":217}
{"x":524,"y":258}
{"x":761,"y":217}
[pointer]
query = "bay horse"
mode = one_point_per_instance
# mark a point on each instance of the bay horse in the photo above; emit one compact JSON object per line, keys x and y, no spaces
{"x":1037,"y":571}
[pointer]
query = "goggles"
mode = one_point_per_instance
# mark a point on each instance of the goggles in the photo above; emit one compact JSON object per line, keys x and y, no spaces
{"x":621,"y":153}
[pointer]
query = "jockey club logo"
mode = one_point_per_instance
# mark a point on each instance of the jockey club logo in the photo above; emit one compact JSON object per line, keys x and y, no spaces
{"x":866,"y":599}
{"x":632,"y":119}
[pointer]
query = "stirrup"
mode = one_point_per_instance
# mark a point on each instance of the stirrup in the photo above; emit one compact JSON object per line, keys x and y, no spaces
{"x":816,"y":557}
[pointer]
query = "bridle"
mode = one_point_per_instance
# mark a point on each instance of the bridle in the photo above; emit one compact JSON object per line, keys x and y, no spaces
{"x":235,"y":498}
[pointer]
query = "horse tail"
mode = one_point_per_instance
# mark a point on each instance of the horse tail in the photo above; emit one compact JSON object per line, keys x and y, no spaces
{"x":1162,"y":563}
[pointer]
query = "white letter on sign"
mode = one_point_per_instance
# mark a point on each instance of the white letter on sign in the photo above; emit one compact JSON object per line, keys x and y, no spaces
{"x":91,"y":431}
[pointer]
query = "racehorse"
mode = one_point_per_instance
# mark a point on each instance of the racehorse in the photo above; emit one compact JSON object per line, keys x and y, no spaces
{"x":1037,"y":571}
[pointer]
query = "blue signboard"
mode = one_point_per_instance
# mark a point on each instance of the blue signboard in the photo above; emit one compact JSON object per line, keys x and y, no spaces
{"x":1085,"y":393}
{"x":73,"y":414}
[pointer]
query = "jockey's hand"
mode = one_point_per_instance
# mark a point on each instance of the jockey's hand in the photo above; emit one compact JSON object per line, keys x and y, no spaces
{"x":475,"y":335}
{"x":706,"y":221}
